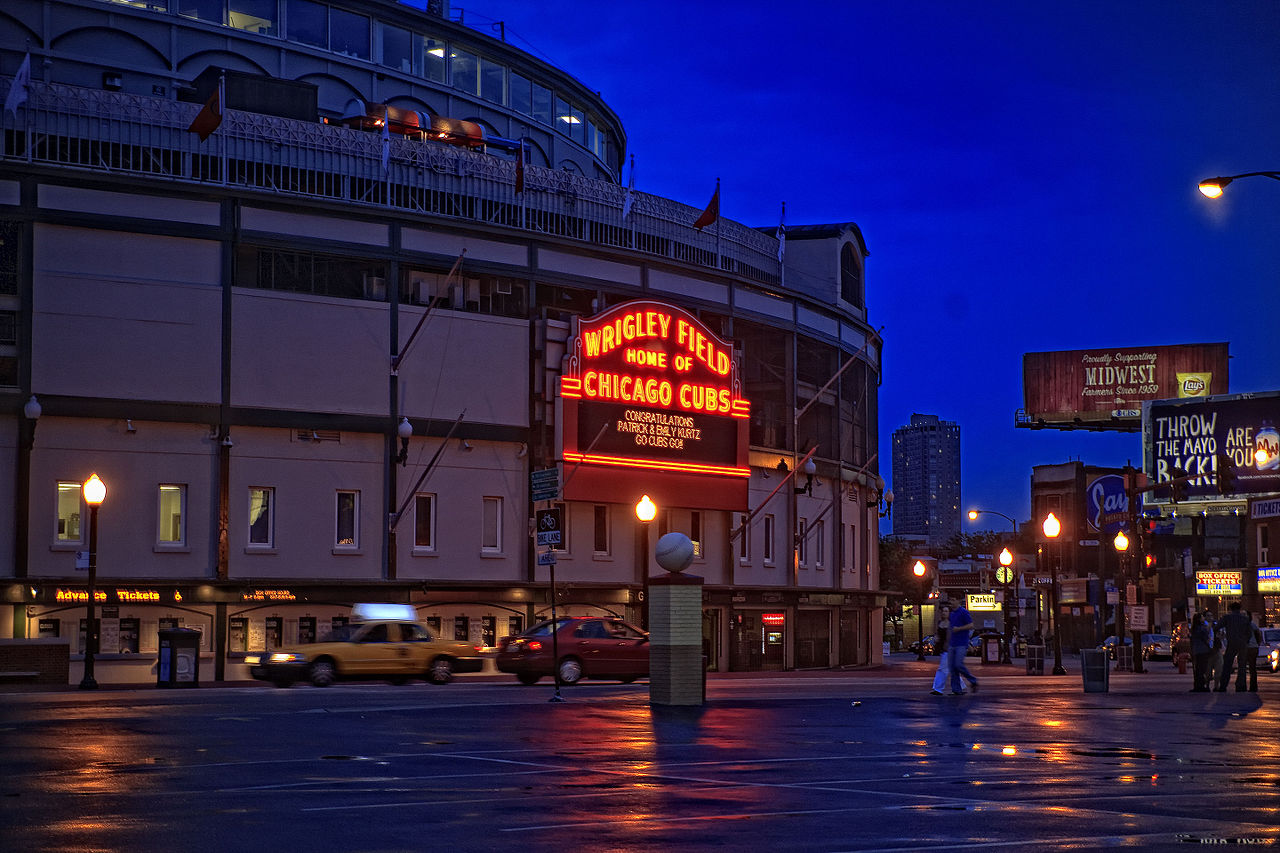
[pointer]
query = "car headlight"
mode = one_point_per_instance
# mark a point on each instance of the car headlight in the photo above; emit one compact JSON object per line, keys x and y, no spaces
{"x":287,"y":657}
{"x":252,"y":660}
{"x":1275,"y":656}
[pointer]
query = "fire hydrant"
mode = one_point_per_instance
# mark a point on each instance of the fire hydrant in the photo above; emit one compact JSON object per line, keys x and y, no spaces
{"x":1182,"y":659}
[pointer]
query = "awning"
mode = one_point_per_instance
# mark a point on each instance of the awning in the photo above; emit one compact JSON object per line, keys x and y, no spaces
{"x":367,"y":116}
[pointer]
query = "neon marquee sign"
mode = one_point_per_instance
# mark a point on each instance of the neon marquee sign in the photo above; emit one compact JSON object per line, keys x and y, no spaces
{"x":647,"y":387}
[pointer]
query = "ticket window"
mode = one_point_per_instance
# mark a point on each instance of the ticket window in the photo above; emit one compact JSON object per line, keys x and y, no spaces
{"x":130,"y":630}
{"x":489,"y":630}
{"x":337,"y":623}
{"x":307,"y":629}
{"x":48,"y":628}
{"x":515,"y":625}
{"x":237,"y":634}
{"x":433,"y":623}
{"x":462,"y":628}
{"x":274,"y":632}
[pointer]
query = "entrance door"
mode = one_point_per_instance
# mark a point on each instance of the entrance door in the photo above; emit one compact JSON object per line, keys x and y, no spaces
{"x":851,"y":653}
{"x":711,"y":638}
{"x":813,"y":639}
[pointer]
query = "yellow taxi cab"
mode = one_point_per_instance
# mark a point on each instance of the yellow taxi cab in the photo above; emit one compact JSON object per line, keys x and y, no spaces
{"x":383,"y":641}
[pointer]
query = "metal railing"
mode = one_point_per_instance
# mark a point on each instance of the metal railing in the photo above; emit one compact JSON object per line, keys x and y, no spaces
{"x":116,"y":133}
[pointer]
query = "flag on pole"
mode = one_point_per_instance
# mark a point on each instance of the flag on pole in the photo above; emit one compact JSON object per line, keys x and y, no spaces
{"x":631,"y":185}
{"x":18,"y":89}
{"x":782,"y":232}
{"x":520,"y":168}
{"x":386,"y":139}
{"x":210,"y":116}
{"x":712,"y":213}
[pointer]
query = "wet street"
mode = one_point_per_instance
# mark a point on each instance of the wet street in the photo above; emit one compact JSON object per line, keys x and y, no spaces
{"x":794,"y":761}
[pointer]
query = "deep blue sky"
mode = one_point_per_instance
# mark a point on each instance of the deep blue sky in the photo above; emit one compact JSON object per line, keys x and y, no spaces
{"x":1024,"y":174}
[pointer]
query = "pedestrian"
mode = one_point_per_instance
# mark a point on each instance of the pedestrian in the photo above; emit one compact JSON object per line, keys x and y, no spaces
{"x":1236,"y":628}
{"x":961,"y":624}
{"x":1251,"y":653}
{"x":944,"y":671}
{"x":1215,"y":656}
{"x":1201,"y":653}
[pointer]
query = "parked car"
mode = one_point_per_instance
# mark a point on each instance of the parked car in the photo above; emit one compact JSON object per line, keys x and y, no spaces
{"x":1182,"y":639}
{"x":1109,"y":645}
{"x":1269,"y":651}
{"x":380,"y":643}
{"x":1157,"y":647}
{"x":588,"y":647}
{"x":930,"y":645}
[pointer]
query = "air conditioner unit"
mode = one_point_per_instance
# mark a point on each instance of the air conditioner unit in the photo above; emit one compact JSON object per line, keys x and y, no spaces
{"x":1264,"y":557}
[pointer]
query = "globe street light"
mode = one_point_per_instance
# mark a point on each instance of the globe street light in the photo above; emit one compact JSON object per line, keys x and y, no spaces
{"x":95,"y":492}
{"x":1121,"y":543}
{"x":1213,"y":187}
{"x":1052,"y":527}
{"x":646,"y":511}
{"x":919,"y":571}
{"x":1004,"y":575}
{"x":973,"y":516}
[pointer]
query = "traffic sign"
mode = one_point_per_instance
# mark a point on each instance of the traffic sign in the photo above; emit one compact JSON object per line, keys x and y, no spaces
{"x":544,"y":485}
{"x":549,"y":526}
{"x":547,"y":558}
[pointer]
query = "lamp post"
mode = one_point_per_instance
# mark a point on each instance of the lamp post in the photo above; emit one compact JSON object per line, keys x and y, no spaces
{"x":1052,"y":527}
{"x":919,"y":571}
{"x":973,"y":516}
{"x":1004,"y":574}
{"x":1213,"y":187}
{"x":1121,"y":543}
{"x":646,"y":511}
{"x":95,"y":491}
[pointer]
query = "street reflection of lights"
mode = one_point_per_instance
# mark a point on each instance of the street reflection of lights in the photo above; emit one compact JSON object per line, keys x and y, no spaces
{"x":1053,"y":724}
{"x":1009,"y":750}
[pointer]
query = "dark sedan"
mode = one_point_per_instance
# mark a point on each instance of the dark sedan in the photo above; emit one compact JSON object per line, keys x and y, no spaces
{"x":587,"y":647}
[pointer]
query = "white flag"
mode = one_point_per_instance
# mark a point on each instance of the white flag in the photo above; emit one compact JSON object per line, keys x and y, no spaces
{"x":18,"y":90}
{"x":782,"y":233}
{"x":386,"y":140}
{"x":631,"y":185}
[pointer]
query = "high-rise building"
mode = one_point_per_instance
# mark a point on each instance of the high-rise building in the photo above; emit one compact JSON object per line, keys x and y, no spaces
{"x":926,"y":479}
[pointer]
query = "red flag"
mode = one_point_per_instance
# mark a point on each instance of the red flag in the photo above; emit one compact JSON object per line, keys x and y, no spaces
{"x":208,"y":119}
{"x":712,"y":213}
{"x":520,"y":169}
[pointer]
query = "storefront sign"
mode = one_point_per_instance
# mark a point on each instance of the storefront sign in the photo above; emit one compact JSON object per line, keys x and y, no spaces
{"x":773,"y":619}
{"x":112,"y":595}
{"x":1269,"y":579}
{"x":1218,"y":583}
{"x":1269,"y":508}
{"x":652,"y":403}
{"x":268,"y":595}
{"x":981,"y":601}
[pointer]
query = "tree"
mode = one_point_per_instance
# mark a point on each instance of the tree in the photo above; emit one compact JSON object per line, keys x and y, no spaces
{"x":895,"y":564}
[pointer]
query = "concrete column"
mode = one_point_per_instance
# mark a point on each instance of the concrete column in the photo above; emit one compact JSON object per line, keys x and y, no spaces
{"x":677,"y":674}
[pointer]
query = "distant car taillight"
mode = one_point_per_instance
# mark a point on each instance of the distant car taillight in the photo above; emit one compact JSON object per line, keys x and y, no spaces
{"x":534,"y":645}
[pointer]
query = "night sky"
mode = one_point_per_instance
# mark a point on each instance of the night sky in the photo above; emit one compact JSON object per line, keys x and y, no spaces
{"x":1024,"y":174}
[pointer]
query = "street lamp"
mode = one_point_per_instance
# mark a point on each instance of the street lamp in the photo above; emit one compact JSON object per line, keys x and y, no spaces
{"x":95,"y":491}
{"x":973,"y":516}
{"x":1052,"y":527}
{"x":919,"y":571}
{"x":1213,"y":187}
{"x":404,"y":431}
{"x":1004,"y":574}
{"x":646,"y":511}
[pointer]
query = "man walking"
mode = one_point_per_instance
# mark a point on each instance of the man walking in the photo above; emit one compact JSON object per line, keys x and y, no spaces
{"x":958,"y":643}
{"x":1237,"y":629}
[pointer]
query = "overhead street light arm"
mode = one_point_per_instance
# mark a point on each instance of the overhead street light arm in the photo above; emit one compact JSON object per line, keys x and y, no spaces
{"x":1213,"y":187}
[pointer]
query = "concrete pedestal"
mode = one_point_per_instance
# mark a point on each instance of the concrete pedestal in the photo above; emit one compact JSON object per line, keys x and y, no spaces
{"x":677,"y":672}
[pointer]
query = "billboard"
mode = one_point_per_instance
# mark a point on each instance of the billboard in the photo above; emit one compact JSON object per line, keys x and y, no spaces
{"x":651,"y":403}
{"x":1105,"y":388}
{"x":1189,"y":435}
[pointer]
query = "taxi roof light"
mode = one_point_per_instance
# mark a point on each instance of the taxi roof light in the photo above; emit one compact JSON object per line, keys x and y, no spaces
{"x":384,"y":611}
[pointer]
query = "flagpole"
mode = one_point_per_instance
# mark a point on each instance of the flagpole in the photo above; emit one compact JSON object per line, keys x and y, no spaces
{"x":222,"y":137}
{"x":782,"y":246}
{"x":520,"y":168}
{"x":719,"y":204}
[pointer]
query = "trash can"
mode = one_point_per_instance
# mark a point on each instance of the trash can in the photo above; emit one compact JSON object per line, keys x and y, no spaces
{"x":1035,"y":660}
{"x":1094,"y":669}
{"x":179,"y":664}
{"x":990,"y":649}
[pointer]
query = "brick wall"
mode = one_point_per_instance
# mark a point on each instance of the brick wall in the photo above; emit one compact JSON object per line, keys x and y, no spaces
{"x":49,"y":659}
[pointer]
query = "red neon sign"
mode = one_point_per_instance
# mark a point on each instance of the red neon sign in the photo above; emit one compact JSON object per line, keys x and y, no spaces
{"x":773,"y":620}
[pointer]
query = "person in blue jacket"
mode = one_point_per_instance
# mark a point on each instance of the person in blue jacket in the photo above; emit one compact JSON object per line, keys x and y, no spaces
{"x":957,"y":645}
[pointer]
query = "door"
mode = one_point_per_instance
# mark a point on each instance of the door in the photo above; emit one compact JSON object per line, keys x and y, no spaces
{"x":630,"y":652}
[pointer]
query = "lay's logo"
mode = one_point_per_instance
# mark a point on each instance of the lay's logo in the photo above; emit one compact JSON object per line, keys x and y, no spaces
{"x":1194,"y":384}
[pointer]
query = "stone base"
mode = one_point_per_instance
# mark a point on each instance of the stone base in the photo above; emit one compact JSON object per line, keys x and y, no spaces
{"x":676,"y":675}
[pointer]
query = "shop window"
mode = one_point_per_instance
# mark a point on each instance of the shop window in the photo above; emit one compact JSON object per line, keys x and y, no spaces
{"x":491,"y":525}
{"x":308,"y":22}
{"x":254,"y":16}
{"x":600,"y":528}
{"x":424,"y":522}
{"x":69,"y":530}
{"x":171,"y":525}
{"x":744,"y":540}
{"x":262,"y":516}
{"x":306,"y":629}
{"x":347,"y":520}
{"x":349,"y":33}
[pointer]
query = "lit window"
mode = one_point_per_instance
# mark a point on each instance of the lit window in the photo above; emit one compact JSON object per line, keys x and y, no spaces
{"x":171,"y":525}
{"x":254,"y":16}
{"x":262,"y":516}
{"x":695,"y":533}
{"x":347,"y":524}
{"x":69,"y":513}
{"x":424,"y":522}
{"x":491,"y":525}
{"x":601,"y":529}
{"x":433,"y":59}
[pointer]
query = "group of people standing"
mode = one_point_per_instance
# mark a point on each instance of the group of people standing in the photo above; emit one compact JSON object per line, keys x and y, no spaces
{"x":1218,"y":646}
